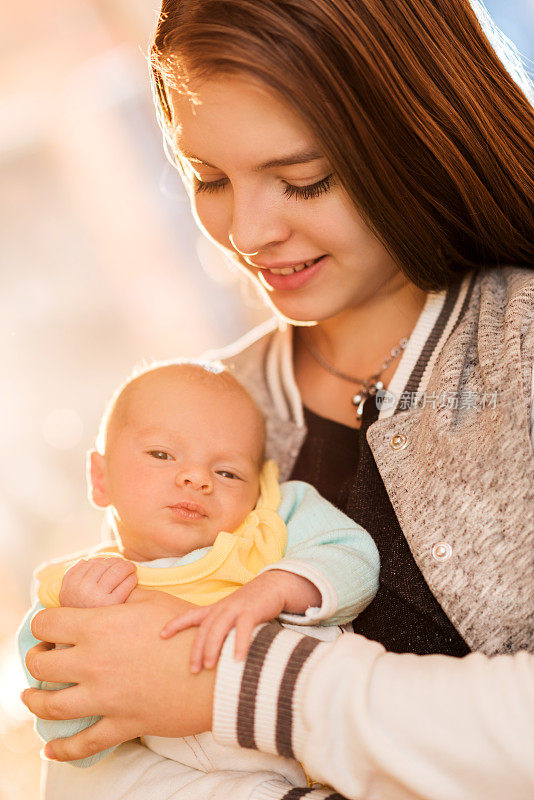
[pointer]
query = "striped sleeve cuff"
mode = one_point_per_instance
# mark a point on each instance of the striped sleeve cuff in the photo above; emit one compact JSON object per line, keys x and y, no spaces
{"x":255,"y":703}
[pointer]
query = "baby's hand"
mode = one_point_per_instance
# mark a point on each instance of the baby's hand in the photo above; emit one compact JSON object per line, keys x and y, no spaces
{"x":94,"y":582}
{"x":259,"y":601}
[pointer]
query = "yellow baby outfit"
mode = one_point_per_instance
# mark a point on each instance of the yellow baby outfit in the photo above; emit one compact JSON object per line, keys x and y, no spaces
{"x":233,"y":560}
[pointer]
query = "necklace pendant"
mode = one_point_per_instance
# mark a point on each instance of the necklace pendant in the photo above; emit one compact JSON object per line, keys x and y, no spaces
{"x":358,"y":401}
{"x":376,"y":387}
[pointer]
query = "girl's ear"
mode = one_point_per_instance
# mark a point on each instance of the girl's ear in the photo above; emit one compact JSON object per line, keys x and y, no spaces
{"x":96,"y":479}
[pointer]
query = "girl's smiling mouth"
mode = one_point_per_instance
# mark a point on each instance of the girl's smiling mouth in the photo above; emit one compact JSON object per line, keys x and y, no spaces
{"x":290,"y":276}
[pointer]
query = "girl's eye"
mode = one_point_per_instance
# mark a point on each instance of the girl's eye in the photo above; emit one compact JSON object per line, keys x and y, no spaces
{"x":224,"y":473}
{"x":313,"y":190}
{"x":161,"y":455}
{"x":208,"y":186}
{"x":299,"y":192}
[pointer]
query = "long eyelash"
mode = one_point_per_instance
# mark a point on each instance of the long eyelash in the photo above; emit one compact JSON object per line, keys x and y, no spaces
{"x":300,"y":192}
{"x":307,"y":192}
{"x":208,"y":186}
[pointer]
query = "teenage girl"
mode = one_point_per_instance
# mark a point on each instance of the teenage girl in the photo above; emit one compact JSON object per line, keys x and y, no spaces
{"x":370,"y":165}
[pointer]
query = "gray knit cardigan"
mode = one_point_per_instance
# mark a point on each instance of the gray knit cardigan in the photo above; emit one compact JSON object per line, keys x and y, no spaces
{"x":461,"y":480}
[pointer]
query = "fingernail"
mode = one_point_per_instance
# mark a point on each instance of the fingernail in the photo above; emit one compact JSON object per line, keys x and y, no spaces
{"x":49,"y":752}
{"x":23,"y":695}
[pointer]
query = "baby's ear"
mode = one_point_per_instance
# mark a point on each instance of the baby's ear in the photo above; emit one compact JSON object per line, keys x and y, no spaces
{"x":96,"y":479}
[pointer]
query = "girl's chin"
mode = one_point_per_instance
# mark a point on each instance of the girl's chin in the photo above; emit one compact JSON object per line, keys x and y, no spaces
{"x":301,"y":313}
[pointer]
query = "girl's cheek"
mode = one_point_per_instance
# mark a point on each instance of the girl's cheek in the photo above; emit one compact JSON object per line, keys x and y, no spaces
{"x":213,"y":216}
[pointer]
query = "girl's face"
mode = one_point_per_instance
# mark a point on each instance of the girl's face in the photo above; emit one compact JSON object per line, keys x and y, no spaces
{"x":262,"y":186}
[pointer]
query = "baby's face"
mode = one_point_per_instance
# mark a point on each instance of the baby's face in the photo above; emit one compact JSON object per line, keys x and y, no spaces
{"x":181,"y":465}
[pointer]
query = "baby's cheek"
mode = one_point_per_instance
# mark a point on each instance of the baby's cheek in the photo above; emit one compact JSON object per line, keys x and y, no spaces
{"x":239,"y":508}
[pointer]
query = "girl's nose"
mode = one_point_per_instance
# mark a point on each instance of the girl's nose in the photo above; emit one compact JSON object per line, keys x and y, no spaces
{"x":256,"y":225}
{"x":241,"y":252}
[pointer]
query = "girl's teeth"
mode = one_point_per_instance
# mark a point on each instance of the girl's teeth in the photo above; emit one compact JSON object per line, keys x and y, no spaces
{"x":291,"y":270}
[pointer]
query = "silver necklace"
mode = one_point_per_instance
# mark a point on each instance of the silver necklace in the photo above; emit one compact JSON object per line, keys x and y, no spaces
{"x":369,"y":386}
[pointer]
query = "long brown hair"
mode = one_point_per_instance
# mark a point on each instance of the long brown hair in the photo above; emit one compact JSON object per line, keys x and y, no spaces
{"x":423,"y":125}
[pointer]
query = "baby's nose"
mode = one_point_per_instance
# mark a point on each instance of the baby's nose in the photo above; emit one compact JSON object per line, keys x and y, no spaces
{"x":196,"y":479}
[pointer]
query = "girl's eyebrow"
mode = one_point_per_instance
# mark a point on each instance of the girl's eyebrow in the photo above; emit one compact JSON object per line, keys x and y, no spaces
{"x":300,"y":157}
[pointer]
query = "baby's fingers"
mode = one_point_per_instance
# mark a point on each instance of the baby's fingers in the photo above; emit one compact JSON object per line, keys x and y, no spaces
{"x":189,"y":619}
{"x":112,"y":571}
{"x":243,"y":632}
{"x":196,"y":659}
{"x":218,"y":631}
{"x":121,"y":593}
{"x":77,"y":571}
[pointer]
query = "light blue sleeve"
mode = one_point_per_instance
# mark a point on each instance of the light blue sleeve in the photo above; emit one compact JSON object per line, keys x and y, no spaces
{"x":26,"y":640}
{"x":329,"y":549}
{"x":46,"y":728}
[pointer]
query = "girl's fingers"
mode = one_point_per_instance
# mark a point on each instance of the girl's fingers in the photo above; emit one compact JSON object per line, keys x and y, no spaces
{"x":57,"y":704}
{"x":50,"y":664}
{"x":189,"y":619}
{"x":58,"y":625}
{"x":92,"y":740}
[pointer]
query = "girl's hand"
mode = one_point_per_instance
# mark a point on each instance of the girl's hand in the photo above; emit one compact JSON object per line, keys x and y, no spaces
{"x":98,"y":581}
{"x":123,"y":670}
{"x":261,"y":600}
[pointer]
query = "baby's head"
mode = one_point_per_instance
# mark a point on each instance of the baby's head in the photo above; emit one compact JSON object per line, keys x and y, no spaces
{"x":178,"y":459}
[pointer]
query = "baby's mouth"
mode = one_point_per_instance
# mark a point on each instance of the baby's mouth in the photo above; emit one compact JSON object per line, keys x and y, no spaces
{"x":188,"y":511}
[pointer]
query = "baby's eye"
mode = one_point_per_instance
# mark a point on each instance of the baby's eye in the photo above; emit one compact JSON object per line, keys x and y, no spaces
{"x":225,"y":473}
{"x":161,"y":454}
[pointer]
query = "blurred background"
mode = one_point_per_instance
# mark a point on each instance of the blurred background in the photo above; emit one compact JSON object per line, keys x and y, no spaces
{"x":101,"y":267}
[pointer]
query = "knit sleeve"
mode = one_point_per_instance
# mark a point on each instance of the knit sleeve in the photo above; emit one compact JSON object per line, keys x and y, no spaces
{"x":329,"y":549}
{"x":375,"y":724}
{"x":532,"y":410}
{"x":26,"y":640}
{"x":254,"y":702}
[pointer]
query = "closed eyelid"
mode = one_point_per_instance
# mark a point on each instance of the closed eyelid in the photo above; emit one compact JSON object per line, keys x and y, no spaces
{"x":304,"y":192}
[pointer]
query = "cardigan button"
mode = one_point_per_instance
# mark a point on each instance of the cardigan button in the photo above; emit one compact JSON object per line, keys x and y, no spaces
{"x":441,"y":551}
{"x":398,"y":442}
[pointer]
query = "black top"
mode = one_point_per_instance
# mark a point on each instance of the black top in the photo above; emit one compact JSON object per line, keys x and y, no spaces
{"x":404,"y":616}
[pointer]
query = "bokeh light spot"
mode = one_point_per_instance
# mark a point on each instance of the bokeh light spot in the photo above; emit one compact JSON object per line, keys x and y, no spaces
{"x":63,"y":428}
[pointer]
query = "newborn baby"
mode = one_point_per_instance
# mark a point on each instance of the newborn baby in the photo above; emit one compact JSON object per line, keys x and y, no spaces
{"x":179,"y":464}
